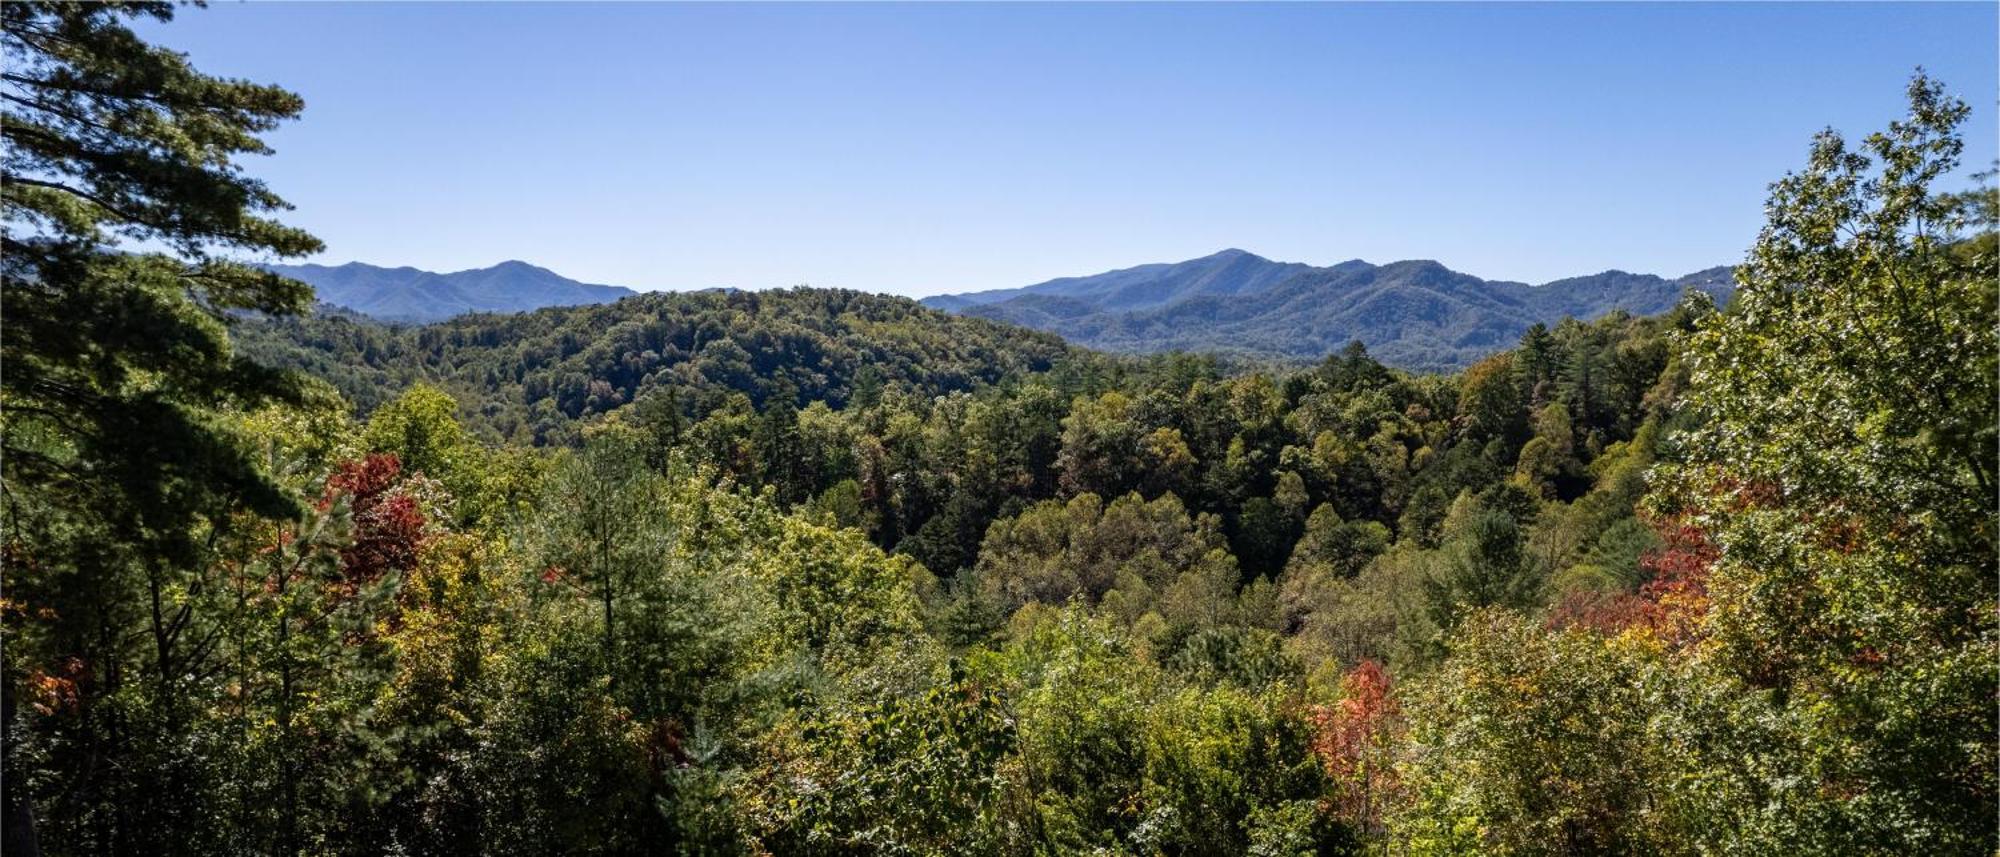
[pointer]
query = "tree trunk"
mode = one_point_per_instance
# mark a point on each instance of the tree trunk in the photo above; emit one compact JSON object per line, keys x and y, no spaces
{"x":17,"y":826}
{"x":288,"y":841}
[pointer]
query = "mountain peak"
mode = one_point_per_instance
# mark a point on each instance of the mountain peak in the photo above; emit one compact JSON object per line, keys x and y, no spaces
{"x":1415,"y":313}
{"x":1230,"y":254}
{"x":410,"y":294}
{"x":513,"y":266}
{"x":1228,"y":272}
{"x":1423,"y":266}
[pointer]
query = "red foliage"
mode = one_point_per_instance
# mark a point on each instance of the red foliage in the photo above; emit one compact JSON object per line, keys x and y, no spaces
{"x":1679,"y":584}
{"x":1351,"y":739}
{"x":1670,"y":604}
{"x":1757,"y":494}
{"x":368,"y":476}
{"x":389,"y":527}
{"x":666,"y":748}
{"x":1605,"y":613}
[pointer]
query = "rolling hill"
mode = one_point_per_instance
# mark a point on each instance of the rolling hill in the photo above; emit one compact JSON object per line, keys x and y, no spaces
{"x":529,"y":376}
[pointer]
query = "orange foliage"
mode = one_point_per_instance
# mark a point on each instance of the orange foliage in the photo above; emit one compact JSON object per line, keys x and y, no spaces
{"x":1670,"y":605}
{"x":61,"y":690}
{"x":1351,"y":739}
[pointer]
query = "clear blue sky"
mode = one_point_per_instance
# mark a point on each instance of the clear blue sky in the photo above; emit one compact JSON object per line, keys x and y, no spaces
{"x":920,"y":149}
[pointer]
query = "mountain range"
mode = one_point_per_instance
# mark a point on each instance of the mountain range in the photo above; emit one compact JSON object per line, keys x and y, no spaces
{"x":1417,"y":315}
{"x":413,"y":295}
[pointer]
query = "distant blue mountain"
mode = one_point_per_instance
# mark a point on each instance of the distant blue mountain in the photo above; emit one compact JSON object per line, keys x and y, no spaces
{"x":413,"y":295}
{"x":1418,"y":314}
{"x":1229,"y":272}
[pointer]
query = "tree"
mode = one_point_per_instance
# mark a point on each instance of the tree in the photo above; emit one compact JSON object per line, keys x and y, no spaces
{"x":1844,"y":469}
{"x":1115,"y":755}
{"x":123,"y":359}
{"x":119,"y":365}
{"x":1548,"y":462}
{"x":1056,"y":551}
{"x":1331,"y":550}
{"x":308,"y":602}
{"x":1355,"y":740}
{"x":1534,"y":364}
{"x":604,"y":532}
{"x":909,"y":775}
{"x":1480,"y":563}
{"x":1525,"y":741}
{"x":1101,"y":447}
{"x":1490,"y":406}
{"x":420,"y":428}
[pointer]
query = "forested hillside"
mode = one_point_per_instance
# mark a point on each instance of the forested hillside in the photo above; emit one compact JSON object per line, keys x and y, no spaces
{"x":1416,"y":315}
{"x":816,"y":572}
{"x":1229,"y":272}
{"x":531,"y":377}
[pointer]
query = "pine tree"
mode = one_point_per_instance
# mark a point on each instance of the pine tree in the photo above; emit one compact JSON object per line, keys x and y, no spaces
{"x":126,"y":218}
{"x":120,"y":360}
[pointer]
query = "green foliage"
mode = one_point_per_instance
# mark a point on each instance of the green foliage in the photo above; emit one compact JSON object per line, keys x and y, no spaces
{"x":1117,"y":754}
{"x":529,"y":377}
{"x":1526,"y":742}
{"x":1845,"y":468}
{"x":1101,"y":446}
{"x":121,"y":460}
{"x":421,"y":429}
{"x":915,"y":775}
{"x":721,"y":646}
{"x":122,"y":360}
{"x":819,"y":572}
{"x":1126,"y":554}
{"x":1330,"y":551}
{"x":1481,"y":562}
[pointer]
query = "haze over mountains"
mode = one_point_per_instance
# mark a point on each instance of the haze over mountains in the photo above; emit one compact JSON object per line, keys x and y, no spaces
{"x":413,"y":295}
{"x":1416,"y":315}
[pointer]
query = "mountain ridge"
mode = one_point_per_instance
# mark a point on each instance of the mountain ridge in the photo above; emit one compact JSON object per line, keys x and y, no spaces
{"x":1416,"y":314}
{"x":408,"y":294}
{"x":1228,"y":271}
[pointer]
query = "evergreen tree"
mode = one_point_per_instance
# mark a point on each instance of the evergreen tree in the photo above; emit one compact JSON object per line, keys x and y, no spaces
{"x":123,"y":359}
{"x":120,"y":460}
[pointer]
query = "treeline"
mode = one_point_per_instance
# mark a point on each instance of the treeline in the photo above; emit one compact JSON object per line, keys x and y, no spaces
{"x":1718,"y":581}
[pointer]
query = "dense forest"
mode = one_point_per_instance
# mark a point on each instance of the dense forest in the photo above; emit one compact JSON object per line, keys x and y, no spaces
{"x":532,"y":377}
{"x":820,"y":572}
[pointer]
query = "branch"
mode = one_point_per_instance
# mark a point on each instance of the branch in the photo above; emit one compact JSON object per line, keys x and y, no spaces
{"x":89,"y":197}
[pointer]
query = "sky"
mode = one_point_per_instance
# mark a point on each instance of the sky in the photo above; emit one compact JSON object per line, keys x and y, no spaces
{"x":931,"y":148}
